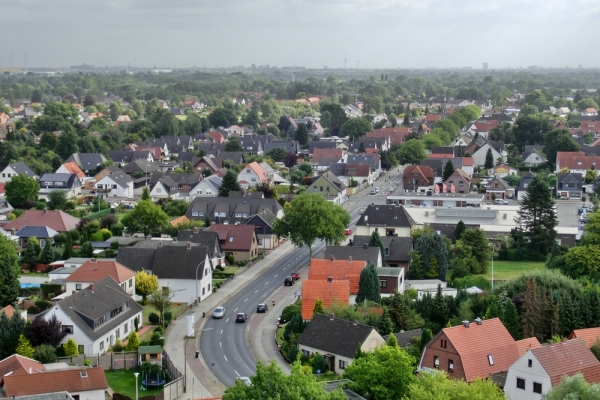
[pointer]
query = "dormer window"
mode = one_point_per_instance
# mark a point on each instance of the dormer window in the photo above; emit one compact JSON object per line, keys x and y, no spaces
{"x":490,"y":359}
{"x":231,"y":239}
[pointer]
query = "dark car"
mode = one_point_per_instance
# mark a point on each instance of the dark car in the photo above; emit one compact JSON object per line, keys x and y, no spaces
{"x":296,"y":275}
{"x":262,"y":308}
{"x":241,"y":317}
{"x":289,"y":281}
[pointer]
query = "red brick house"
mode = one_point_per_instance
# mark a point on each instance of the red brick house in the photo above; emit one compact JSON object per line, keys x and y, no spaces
{"x":416,"y":176}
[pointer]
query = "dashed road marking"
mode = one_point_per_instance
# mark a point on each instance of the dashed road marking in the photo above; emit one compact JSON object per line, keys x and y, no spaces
{"x":225,"y":357}
{"x":220,"y":344}
{"x":275,"y":276}
{"x":221,"y":331}
{"x":256,"y":291}
{"x":236,"y":372}
{"x":235,"y":310}
{"x":227,"y":320}
{"x":246,"y":300}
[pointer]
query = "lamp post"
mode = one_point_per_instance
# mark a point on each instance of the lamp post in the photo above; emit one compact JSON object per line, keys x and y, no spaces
{"x":136,"y":385}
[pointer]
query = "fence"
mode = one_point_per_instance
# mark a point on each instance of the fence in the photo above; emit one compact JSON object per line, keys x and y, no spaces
{"x":109,"y":361}
{"x":173,"y":389}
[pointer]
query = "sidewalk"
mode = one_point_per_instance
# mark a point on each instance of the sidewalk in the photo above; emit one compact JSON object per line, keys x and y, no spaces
{"x":200,"y":381}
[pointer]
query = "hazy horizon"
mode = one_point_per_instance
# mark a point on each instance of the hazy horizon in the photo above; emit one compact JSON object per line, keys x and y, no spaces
{"x":311,"y":33}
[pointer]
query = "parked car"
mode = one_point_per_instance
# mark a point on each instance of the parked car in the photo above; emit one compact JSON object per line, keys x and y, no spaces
{"x":241,"y":317}
{"x":295,"y":276}
{"x":347,"y":231}
{"x":289,"y":281}
{"x":262,"y":308}
{"x":245,"y":380}
{"x":219,"y":312}
{"x":376,"y":190}
{"x":500,"y":201}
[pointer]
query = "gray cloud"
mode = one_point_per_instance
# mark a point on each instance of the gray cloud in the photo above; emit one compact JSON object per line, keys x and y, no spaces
{"x":313,"y":33}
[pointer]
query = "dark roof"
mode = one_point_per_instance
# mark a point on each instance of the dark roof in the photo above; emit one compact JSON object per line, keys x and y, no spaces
{"x":229,"y":205}
{"x":121,"y":178}
{"x":527,"y":178}
{"x":202,"y":238}
{"x":443,"y":150}
{"x":40,"y":232}
{"x":87,"y":161}
{"x":334,"y":335}
{"x":120,"y":156}
{"x":235,"y":156}
{"x":22,"y":169}
{"x":287,"y":145}
{"x":136,"y":258}
{"x":87,"y":305}
{"x":181,"y":179}
{"x":404,"y":338}
{"x":438,"y":164}
{"x":143,"y":166}
{"x":338,"y":169}
{"x":265,"y":215}
{"x":568,"y":177}
{"x":359,"y":253}
{"x":398,"y":248}
{"x":68,"y":180}
{"x":320,"y":145}
{"x":370,"y":159}
{"x":179,"y":262}
{"x":385,"y":215}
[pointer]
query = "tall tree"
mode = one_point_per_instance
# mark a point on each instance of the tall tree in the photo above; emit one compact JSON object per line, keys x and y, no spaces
{"x":301,"y":135}
{"x":145,"y":284}
{"x":412,"y":152}
{"x":290,"y":159}
{"x":43,"y":331}
{"x":146,"y":217}
{"x":229,"y":184}
{"x":310,"y":217}
{"x":433,"y":253}
{"x":460,"y":229}
{"x":430,"y":386}
{"x":489,"y":159}
{"x":68,"y":251}
{"x":558,"y":140}
{"x":368,"y":285}
{"x":66,"y":145}
{"x":355,"y":128}
{"x":448,"y":170}
{"x":375,"y":241}
{"x":24,"y":347}
{"x":233,"y":144}
{"x":9,"y":270}
{"x":32,"y":251}
{"x":538,"y":217}
{"x":20,"y":189}
{"x":530,"y":316}
{"x":385,"y":326}
{"x":511,"y":319}
{"x":10,"y":331}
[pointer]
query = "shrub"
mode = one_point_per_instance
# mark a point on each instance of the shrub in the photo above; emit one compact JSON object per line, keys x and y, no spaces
{"x":97,"y":237}
{"x":154,"y":319}
{"x":133,"y":342}
{"x":40,"y":205}
{"x":42,"y":305}
{"x":75,"y":236}
{"x":45,"y":353}
{"x":168,"y":316}
{"x":230,"y":259}
{"x":118,"y":346}
{"x":117,"y":229}
{"x":106,"y":234}
{"x":158,"y":329}
{"x":60,"y":238}
{"x":319,"y":363}
{"x":157,"y":339}
{"x":87,"y":363}
{"x":136,"y":323}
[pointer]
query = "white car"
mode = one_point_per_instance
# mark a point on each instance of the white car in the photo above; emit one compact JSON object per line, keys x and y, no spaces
{"x":245,"y":380}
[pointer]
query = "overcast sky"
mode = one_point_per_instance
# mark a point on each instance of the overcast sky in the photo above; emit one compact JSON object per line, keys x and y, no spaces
{"x":311,"y":33}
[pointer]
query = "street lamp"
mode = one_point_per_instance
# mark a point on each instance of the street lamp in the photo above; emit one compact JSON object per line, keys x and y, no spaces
{"x":136,"y":385}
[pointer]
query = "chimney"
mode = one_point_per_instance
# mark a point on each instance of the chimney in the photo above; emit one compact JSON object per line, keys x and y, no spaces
{"x":330,"y":279}
{"x":93,"y":260}
{"x":73,"y":291}
{"x":350,"y":259}
{"x":332,"y":258}
{"x":332,"y":317}
{"x":92,"y":288}
{"x":478,"y":321}
{"x":465,"y":324}
{"x":160,"y":244}
{"x":196,"y":229}
{"x":189,"y":245}
{"x":366,"y":246}
{"x":355,"y":322}
{"x":45,"y":211}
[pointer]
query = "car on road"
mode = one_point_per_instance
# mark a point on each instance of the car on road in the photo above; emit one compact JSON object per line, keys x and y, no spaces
{"x":245,"y":380}
{"x":295,"y":276}
{"x":373,"y":192}
{"x":289,"y":281}
{"x":262,"y":308}
{"x":219,"y":312}
{"x":500,"y":201}
{"x":376,"y":190}
{"x":241,"y":317}
{"x":347,"y":231}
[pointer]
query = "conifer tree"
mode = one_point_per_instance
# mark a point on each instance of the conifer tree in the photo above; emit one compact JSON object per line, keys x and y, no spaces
{"x":489,"y":160}
{"x":448,"y":170}
{"x":24,"y":347}
{"x":229,"y":184}
{"x":511,"y":319}
{"x":375,"y":241}
{"x":47,"y":254}
{"x":385,"y":326}
{"x":318,"y":308}
{"x":368,"y":285}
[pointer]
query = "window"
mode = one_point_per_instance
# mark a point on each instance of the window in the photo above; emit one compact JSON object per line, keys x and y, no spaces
{"x":66,"y":329}
{"x":80,"y":349}
{"x":444,"y":344}
{"x":131,"y":282}
{"x":125,"y":327}
{"x":343,"y":364}
{"x":198,"y":191}
{"x":321,"y":188}
{"x":203,"y":291}
{"x":78,"y":286}
{"x":490,"y":359}
{"x":114,"y":186}
{"x":314,"y":188}
{"x":231,"y":239}
{"x":194,"y":213}
{"x":461,"y":183}
{"x":450,"y":366}
{"x":520,"y":383}
{"x":530,"y":363}
{"x":436,"y":362}
{"x":102,"y":345}
{"x":382,"y":284}
{"x":537,"y":387}
{"x":260,"y":242}
{"x":118,"y":333}
{"x":248,"y":170}
{"x":306,"y":353}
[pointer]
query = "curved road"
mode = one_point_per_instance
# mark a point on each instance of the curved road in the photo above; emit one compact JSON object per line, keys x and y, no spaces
{"x":223,"y":343}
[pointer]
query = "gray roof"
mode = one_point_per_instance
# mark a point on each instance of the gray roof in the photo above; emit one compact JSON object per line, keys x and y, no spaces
{"x":120,"y":156}
{"x":334,"y":335}
{"x":69,"y":181}
{"x":438,"y":164}
{"x":369,"y":159}
{"x":202,"y":238}
{"x":48,"y":396}
{"x":385,"y":215}
{"x":266,"y":215}
{"x":22,"y":169}
{"x":136,"y":258}
{"x":87,"y":161}
{"x":143,"y":166}
{"x":177,"y":178}
{"x":179,"y":262}
{"x":338,"y":169}
{"x":229,"y":205}
{"x":121,"y":178}
{"x":40,"y":232}
{"x":289,"y":146}
{"x":527,"y":178}
{"x":320,"y":145}
{"x":404,"y":338}
{"x":86,"y":306}
{"x":369,"y":254}
{"x":397,"y":248}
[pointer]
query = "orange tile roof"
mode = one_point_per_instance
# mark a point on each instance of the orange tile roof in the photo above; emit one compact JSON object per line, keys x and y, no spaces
{"x":319,"y":153}
{"x":181,"y":220}
{"x":476,"y":342}
{"x":590,"y":335}
{"x":258,"y":170}
{"x":70,"y":380}
{"x":527,"y":344}
{"x":94,"y":271}
{"x":73,"y":168}
{"x":57,"y":220}
{"x":8,"y":310}
{"x":19,"y":365}
{"x":328,"y":292}
{"x":568,"y":358}
{"x":321,"y":270}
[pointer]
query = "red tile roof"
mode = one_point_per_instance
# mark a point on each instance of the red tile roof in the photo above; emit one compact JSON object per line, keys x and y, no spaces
{"x":424,"y":170}
{"x":234,"y":237}
{"x":57,"y":220}
{"x":321,"y":270}
{"x":396,"y":135}
{"x":328,"y":292}
{"x":73,"y":168}
{"x":19,"y":365}
{"x":70,"y":380}
{"x":476,"y":342}
{"x":181,"y":220}
{"x":8,"y":310}
{"x":568,"y":358}
{"x":319,"y":153}
{"x":432,"y":117}
{"x":590,"y":335}
{"x":94,"y":271}
{"x":576,"y":160}
{"x":527,"y":344}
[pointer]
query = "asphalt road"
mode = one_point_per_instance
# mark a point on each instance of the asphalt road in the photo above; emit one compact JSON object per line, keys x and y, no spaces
{"x":224,"y":344}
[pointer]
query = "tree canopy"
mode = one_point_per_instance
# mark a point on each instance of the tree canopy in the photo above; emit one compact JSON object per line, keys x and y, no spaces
{"x":538,"y":217}
{"x":355,"y":128}
{"x":146,"y":217}
{"x":20,"y":189}
{"x":412,"y":152}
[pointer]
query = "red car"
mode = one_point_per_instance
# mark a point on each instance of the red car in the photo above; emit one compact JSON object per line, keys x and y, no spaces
{"x":348,"y":231}
{"x":295,"y":275}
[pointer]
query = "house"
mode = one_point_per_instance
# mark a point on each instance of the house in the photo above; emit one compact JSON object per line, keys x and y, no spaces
{"x":569,"y":185}
{"x":236,"y":208}
{"x":182,"y":267}
{"x":68,"y":183}
{"x":589,"y":112}
{"x":473,"y":350}
{"x":71,"y":168}
{"x":95,"y":270}
{"x":88,"y":162}
{"x":497,"y":188}
{"x":290,"y":146}
{"x":590,"y":335}
{"x":458,"y":182}
{"x":238,"y":241}
{"x":57,"y":220}
{"x":329,"y":291}
{"x":123,"y":157}
{"x":533,"y":156}
{"x":173,"y":185}
{"x":355,"y":253}
{"x":337,"y":340}
{"x":205,"y":238}
{"x":502,"y":170}
{"x":576,"y":161}
{"x":334,"y":154}
{"x":19,"y":168}
{"x":406,"y":338}
{"x":394,"y":135}
{"x":16,"y":365}
{"x":393,"y":221}
{"x":5,"y":207}
{"x":524,"y":184}
{"x":397,"y":249}
{"x":41,"y":233}
{"x":340,"y":270}
{"x":537,"y":371}
{"x":208,"y":187}
{"x":263,"y":225}
{"x":478,"y":150}
{"x":330,"y":187}
{"x":391,"y":280}
{"x":96,"y":316}
{"x":74,"y":383}
{"x":429,"y":287}
{"x":417,"y":178}
{"x":372,"y":160}
{"x":9,"y":311}
{"x":140,"y":167}
{"x":251,"y":175}
{"x":118,"y":184}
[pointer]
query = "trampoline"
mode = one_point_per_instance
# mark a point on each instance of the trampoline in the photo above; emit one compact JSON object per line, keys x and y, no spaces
{"x":153,"y":376}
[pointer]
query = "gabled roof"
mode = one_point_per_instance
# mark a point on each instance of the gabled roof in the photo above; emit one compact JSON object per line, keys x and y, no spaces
{"x":385,"y":215}
{"x":179,"y":262}
{"x":143,"y":166}
{"x":95,"y":270}
{"x":331,"y":153}
{"x":87,"y":161}
{"x":334,"y":335}
{"x":404,"y":338}
{"x":19,"y":365}
{"x":234,"y":237}
{"x":22,"y":169}
{"x":331,"y":178}
{"x":73,"y":168}
{"x":120,"y":178}
{"x":204,"y":238}
{"x":527,"y":344}
{"x":526,"y":178}
{"x":575,"y":177}
{"x":40,"y":232}
{"x":136,"y":258}
{"x":68,"y":380}
{"x":590,"y":335}
{"x":229,"y":205}
{"x":339,"y":270}
{"x":329,"y":292}
{"x":57,"y":220}
{"x":49,"y":180}
{"x":357,"y":253}
{"x":576,"y":160}
{"x":398,"y":248}
{"x":568,"y":358}
{"x":425,"y":171}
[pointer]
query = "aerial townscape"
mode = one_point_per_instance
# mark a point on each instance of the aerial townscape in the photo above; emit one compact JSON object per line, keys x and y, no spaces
{"x":378,"y":230}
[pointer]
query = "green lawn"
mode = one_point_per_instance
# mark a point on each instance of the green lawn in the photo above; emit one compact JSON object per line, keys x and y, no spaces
{"x":279,"y":334}
{"x":146,"y":336}
{"x":122,"y":381}
{"x":176,"y":309}
{"x":505,"y":270}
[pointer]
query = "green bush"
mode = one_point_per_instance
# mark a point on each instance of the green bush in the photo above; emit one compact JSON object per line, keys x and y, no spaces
{"x":154,"y":319}
{"x":43,"y":305}
{"x":223,"y":275}
{"x":40,"y":205}
{"x":117,"y":229}
{"x":168,"y":316}
{"x":158,"y":329}
{"x":60,"y":238}
{"x":75,"y":236}
{"x":97,"y":237}
{"x":106,"y":233}
{"x":230,"y":259}
{"x":157,"y":339}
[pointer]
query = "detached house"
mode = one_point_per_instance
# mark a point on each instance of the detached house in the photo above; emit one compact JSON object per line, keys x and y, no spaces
{"x":533,"y":156}
{"x":95,"y":270}
{"x":95,"y":317}
{"x":15,"y":169}
{"x":497,"y":188}
{"x":569,"y":185}
{"x":418,"y":178}
{"x":238,"y":241}
{"x":68,"y":183}
{"x":329,"y":291}
{"x":118,"y":184}
{"x":251,"y":175}
{"x":387,"y":220}
{"x":88,"y":162}
{"x":458,"y":182}
{"x":330,"y":187}
{"x":337,"y":340}
{"x":57,"y":220}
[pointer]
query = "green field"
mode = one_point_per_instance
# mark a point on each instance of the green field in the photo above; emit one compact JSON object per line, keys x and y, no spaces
{"x":505,"y":270}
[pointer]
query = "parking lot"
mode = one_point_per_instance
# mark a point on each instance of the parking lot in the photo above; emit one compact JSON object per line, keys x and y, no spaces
{"x":566,"y":211}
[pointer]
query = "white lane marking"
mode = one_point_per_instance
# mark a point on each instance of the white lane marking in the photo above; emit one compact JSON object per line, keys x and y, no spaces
{"x":285,"y":268}
{"x":256,"y":291}
{"x":275,"y":276}
{"x":246,"y":300}
{"x":225,"y":358}
{"x":220,"y":344}
{"x":236,"y":372}
{"x":227,"y":320}
{"x":266,"y":282}
{"x":235,"y":310}
{"x":221,"y":331}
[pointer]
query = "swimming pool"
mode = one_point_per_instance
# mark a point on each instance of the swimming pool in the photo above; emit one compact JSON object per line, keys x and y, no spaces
{"x":29,"y":285}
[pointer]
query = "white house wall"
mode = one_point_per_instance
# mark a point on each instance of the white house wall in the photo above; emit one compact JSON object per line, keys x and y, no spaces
{"x":536,"y":373}
{"x":89,"y":394}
